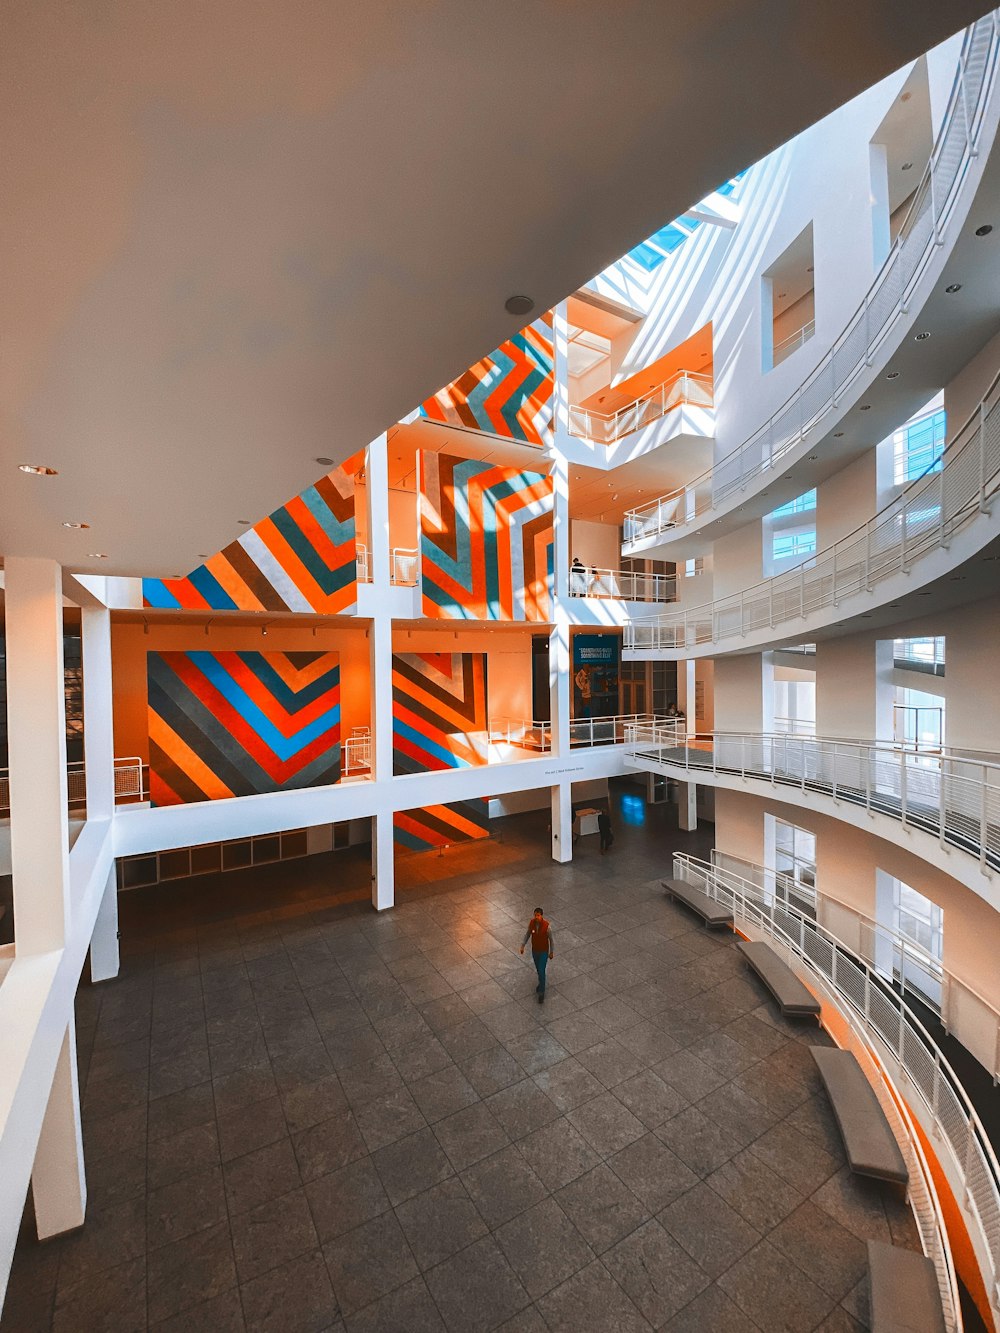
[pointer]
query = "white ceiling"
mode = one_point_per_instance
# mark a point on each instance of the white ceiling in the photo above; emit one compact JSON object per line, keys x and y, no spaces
{"x":242,"y":235}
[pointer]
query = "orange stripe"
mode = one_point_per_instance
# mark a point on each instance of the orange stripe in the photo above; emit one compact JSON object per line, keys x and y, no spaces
{"x":185,"y":758}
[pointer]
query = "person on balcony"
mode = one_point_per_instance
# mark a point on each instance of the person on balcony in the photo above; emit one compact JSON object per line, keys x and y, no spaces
{"x":577,"y":579}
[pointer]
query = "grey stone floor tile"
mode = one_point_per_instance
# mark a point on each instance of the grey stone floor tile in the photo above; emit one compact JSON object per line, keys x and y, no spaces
{"x":576,"y":1032}
{"x":329,"y":1145}
{"x":737,"y":1114}
{"x":272,"y":1234}
{"x":568,"y":1084}
{"x":467,"y":1039}
{"x":655,"y":1272}
{"x":491,"y":1070}
{"x":773,"y":1293}
{"x":752,"y":1188}
{"x":711,"y":1312}
{"x":857,"y":1203}
{"x":440,"y":1222}
{"x":411,"y":1165}
{"x":368,"y":1262}
{"x":522,"y":1108}
{"x":308,"y":1104}
{"x":114,"y":1298}
{"x":296,"y":1296}
{"x":345,"y":1198}
{"x":260,"y":1176}
{"x":650,"y":1099}
{"x":370,"y":1079}
{"x":697,"y":1140}
{"x":802,"y":1163}
{"x":476,"y":1289}
{"x":558,"y":1153}
{"x":601,"y":1208}
{"x":188,"y":1272}
{"x":831,"y":1256}
{"x":536,"y":1050}
{"x":591,"y":1302}
{"x":610,"y":1062}
{"x":221,"y":1314}
{"x":420,"y":1057}
{"x":469,"y":1135}
{"x":503,"y":1186}
{"x":251,"y":1128}
{"x":408,"y":1309}
{"x":443,"y":1092}
{"x":606,"y":1123}
{"x":191,"y":1204}
{"x":711,"y":1232}
{"x":652,"y":1172}
{"x":692,"y":1078}
{"x":543,"y":1247}
{"x":385,"y":1119}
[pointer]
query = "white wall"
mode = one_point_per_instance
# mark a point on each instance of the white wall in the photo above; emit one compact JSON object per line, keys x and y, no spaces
{"x":595,"y":543}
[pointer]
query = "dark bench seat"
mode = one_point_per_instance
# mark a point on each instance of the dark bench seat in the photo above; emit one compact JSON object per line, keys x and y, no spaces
{"x":711,"y":912}
{"x":904,"y":1291}
{"x":869,"y":1142}
{"x":794,"y":998}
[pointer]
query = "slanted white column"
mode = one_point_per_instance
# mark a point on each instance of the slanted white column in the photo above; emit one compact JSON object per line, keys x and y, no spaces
{"x":105,"y":961}
{"x":98,"y":724}
{"x":58,"y":1182}
{"x":562,"y":821}
{"x":36,"y":725}
{"x":383,"y":862}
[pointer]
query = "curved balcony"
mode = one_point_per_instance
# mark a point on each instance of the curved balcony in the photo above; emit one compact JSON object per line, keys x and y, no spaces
{"x":917,"y":535}
{"x":907,"y":1070}
{"x":846,"y":369}
{"x":952,"y":797}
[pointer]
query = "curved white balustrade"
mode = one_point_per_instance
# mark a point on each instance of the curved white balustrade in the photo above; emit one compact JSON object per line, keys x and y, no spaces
{"x":954,"y":798}
{"x":895,"y":1034}
{"x":884,"y":305}
{"x":923,"y":518}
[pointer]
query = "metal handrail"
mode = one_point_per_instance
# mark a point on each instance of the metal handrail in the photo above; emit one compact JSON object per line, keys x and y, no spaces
{"x":956,"y":800}
{"x":356,"y":754}
{"x":619,"y":729}
{"x":364,"y":563}
{"x":923,"y":517}
{"x":684,"y":386}
{"x":128,"y":783}
{"x":900,"y":1033}
{"x":885,"y":302}
{"x":792,"y":343}
{"x":624,"y":584}
{"x":404,"y":566}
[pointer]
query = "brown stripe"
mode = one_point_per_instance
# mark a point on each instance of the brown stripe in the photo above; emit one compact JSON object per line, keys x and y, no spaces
{"x":261,"y":586}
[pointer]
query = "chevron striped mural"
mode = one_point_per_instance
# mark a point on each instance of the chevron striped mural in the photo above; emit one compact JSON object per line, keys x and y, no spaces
{"x":237,"y":724}
{"x":485,"y":540}
{"x":509,"y":393}
{"x":300,"y":558}
{"x":439,"y":720}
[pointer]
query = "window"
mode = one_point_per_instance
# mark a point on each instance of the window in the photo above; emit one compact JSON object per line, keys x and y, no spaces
{"x":794,"y":866}
{"x":925,"y":655}
{"x":909,"y":948}
{"x":793,"y":545}
{"x":800,"y":505}
{"x":918,"y":446}
{"x":919,"y":920}
{"x":918,"y":720}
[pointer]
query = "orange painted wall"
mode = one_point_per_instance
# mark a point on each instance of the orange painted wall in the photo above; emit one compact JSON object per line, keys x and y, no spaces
{"x":129,"y":646}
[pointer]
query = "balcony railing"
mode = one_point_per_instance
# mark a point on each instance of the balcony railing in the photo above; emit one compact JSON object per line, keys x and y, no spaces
{"x":896,"y":1035}
{"x":403,"y":565}
{"x":609,"y":427}
{"x":784,"y":349}
{"x":955,"y":799}
{"x":884,"y":305}
{"x":583,"y":731}
{"x":356,"y":754}
{"x":625,"y":584}
{"x":129,"y":784}
{"x":923,"y":517}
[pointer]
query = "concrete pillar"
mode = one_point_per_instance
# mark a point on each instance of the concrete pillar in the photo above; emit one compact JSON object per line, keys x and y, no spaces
{"x":98,"y":725}
{"x":380,"y":630}
{"x":383,"y":862}
{"x":58,"y":1181}
{"x":104,"y":955}
{"x":36,"y":724}
{"x":687,"y":806}
{"x":562,"y":821}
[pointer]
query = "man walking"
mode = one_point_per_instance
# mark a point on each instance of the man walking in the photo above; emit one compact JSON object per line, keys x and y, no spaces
{"x":540,"y":933}
{"x":605,"y":830}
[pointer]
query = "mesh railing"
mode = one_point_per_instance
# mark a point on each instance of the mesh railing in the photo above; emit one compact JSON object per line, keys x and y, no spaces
{"x":957,"y":800}
{"x":924,"y":517}
{"x":883,"y":306}
{"x":128,"y":784}
{"x":609,"y":427}
{"x":900,"y":1036}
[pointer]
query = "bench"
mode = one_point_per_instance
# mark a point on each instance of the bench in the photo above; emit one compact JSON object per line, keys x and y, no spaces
{"x":794,"y":999}
{"x":904,"y":1291}
{"x":869,"y":1142}
{"x":711,"y":912}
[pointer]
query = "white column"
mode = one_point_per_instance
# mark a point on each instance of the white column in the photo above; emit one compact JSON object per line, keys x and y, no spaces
{"x":98,"y":723}
{"x":104,"y":956}
{"x":380,"y":630}
{"x":36,"y":724}
{"x":383,"y":862}
{"x":559,"y":639}
{"x":687,"y":806}
{"x":58,"y":1181}
{"x":560,"y":404}
{"x":562,"y":821}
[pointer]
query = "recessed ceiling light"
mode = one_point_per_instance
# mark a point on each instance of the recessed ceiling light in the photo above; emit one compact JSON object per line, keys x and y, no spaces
{"x":907,"y":166}
{"x":97,"y":555}
{"x":813,"y":457}
{"x":325,"y":462}
{"x":838,"y":434}
{"x":984,"y":230}
{"x":866,"y":615}
{"x":991,"y":557}
{"x":518,"y":305}
{"x":781,"y":296}
{"x":926,"y":593}
{"x":895,"y":604}
{"x":809,"y":269}
{"x":905,"y":97}
{"x":865,"y":407}
{"x":37,"y":469}
{"x":893,"y":375}
{"x":244,"y":521}
{"x":957,"y":578}
{"x":202,"y":555}
{"x":76,"y":525}
{"x":921,"y":337}
{"x":954,"y":287}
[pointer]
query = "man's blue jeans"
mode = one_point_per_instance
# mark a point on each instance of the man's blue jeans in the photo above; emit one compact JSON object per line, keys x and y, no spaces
{"x":540,"y":961}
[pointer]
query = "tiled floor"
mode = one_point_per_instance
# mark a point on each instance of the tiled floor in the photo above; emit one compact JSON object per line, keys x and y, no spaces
{"x":300,"y":1116}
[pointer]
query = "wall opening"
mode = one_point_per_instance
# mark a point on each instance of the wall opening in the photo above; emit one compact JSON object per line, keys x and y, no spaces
{"x":788,"y":302}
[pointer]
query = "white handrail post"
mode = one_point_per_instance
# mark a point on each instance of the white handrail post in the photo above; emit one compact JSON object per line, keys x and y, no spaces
{"x":902,"y":786}
{"x":983,"y":825}
{"x":982,"y":457}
